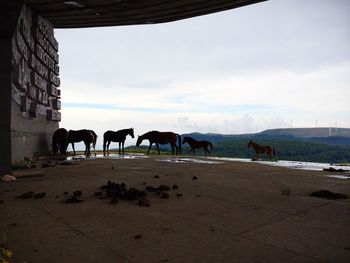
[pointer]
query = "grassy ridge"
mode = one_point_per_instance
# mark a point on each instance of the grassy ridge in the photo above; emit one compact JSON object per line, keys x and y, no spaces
{"x":293,"y":150}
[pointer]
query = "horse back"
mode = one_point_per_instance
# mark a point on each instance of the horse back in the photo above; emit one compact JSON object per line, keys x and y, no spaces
{"x":80,"y":135}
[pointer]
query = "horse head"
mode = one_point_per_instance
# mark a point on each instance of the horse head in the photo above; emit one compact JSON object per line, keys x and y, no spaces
{"x":132,"y":133}
{"x":185,"y":139}
{"x":250,"y":143}
{"x":139,"y":141}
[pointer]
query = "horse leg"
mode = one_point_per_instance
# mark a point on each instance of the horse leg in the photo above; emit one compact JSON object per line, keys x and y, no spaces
{"x":119,"y":143}
{"x":177,"y":149}
{"x":172,"y":149}
{"x":158,"y":148}
{"x":108,"y":143}
{"x":87,"y":149}
{"x":123,"y":148}
{"x":190,"y":151}
{"x":149,"y":148}
{"x":73,"y":148}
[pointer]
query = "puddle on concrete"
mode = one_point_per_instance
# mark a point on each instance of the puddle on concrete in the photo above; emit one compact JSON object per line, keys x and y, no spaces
{"x":344,"y":177}
{"x":290,"y":164}
{"x":111,"y":156}
{"x":187,"y":160}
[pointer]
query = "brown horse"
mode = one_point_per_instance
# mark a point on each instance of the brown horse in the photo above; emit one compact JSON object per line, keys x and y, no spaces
{"x":81,"y":135}
{"x":270,"y":151}
{"x":194,"y":144}
{"x":59,"y":141}
{"x":160,"y":138}
{"x":118,"y":136}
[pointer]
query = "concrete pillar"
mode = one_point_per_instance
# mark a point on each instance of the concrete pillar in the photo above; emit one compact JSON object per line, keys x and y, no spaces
{"x":9,"y":13}
{"x":29,"y":81}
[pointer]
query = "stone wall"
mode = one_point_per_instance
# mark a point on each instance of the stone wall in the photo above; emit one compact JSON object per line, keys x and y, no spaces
{"x":35,"y":97}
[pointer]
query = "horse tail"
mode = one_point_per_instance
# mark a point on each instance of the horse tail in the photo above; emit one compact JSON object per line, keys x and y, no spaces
{"x":179,"y":139}
{"x":211,"y":145}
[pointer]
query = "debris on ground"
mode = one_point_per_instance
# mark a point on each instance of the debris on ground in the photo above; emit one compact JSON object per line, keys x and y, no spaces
{"x":27,"y":195}
{"x":28,"y":173}
{"x":194,"y":178}
{"x":328,"y":195}
{"x":8,"y":178}
{"x":143,"y":202}
{"x":39,"y":195}
{"x":72,"y":200}
{"x":138,"y":236}
{"x":77,"y":193}
{"x":331,"y":169}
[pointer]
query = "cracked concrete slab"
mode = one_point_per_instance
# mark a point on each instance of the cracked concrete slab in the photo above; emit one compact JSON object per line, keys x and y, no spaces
{"x":233,"y":212}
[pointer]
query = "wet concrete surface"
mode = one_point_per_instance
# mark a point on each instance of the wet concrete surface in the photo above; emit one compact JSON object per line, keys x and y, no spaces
{"x":232,"y":212}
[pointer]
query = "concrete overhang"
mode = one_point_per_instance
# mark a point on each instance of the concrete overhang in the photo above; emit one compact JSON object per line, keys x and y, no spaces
{"x":98,"y":13}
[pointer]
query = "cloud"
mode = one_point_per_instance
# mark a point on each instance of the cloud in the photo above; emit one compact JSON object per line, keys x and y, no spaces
{"x":262,"y":66}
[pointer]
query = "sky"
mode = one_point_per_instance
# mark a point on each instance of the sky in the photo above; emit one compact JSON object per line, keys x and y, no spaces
{"x":275,"y":64}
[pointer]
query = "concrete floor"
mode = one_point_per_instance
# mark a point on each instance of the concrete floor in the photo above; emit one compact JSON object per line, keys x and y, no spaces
{"x":233,"y":212}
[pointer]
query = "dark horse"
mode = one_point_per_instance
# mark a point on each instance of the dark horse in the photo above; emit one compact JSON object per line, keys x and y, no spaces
{"x":94,"y":141}
{"x":87,"y":136}
{"x":59,"y":141}
{"x":118,"y":136}
{"x":194,"y":144}
{"x":160,"y":138}
{"x":270,"y":151}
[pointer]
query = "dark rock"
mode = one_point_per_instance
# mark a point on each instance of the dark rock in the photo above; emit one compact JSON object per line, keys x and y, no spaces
{"x":175,"y":186}
{"x":156,"y":176}
{"x":165,"y":196}
{"x":73,"y":199}
{"x":99,"y":193}
{"x":65,"y":193}
{"x":144,"y":202}
{"x":331,"y":169}
{"x":178,"y":195}
{"x":150,"y":189}
{"x":194,"y":178}
{"x":39,"y":195}
{"x":27,"y":195}
{"x":328,"y":195}
{"x":77,"y":193}
{"x":138,"y":236}
{"x":163,"y":187}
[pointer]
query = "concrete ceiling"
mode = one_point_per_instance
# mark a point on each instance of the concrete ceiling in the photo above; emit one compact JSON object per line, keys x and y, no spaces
{"x":96,"y":13}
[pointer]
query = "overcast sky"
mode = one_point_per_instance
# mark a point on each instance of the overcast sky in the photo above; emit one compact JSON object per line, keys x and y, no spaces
{"x":275,"y":64}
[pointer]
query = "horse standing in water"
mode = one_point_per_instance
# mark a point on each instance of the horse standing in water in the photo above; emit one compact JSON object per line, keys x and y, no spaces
{"x":194,"y":144}
{"x":161,"y":138}
{"x":87,"y":136}
{"x":59,"y":141}
{"x":118,"y":136}
{"x":270,"y":151}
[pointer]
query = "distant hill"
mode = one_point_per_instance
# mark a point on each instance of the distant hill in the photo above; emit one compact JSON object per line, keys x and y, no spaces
{"x":331,"y":135}
{"x":309,"y":132}
{"x":330,"y":145}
